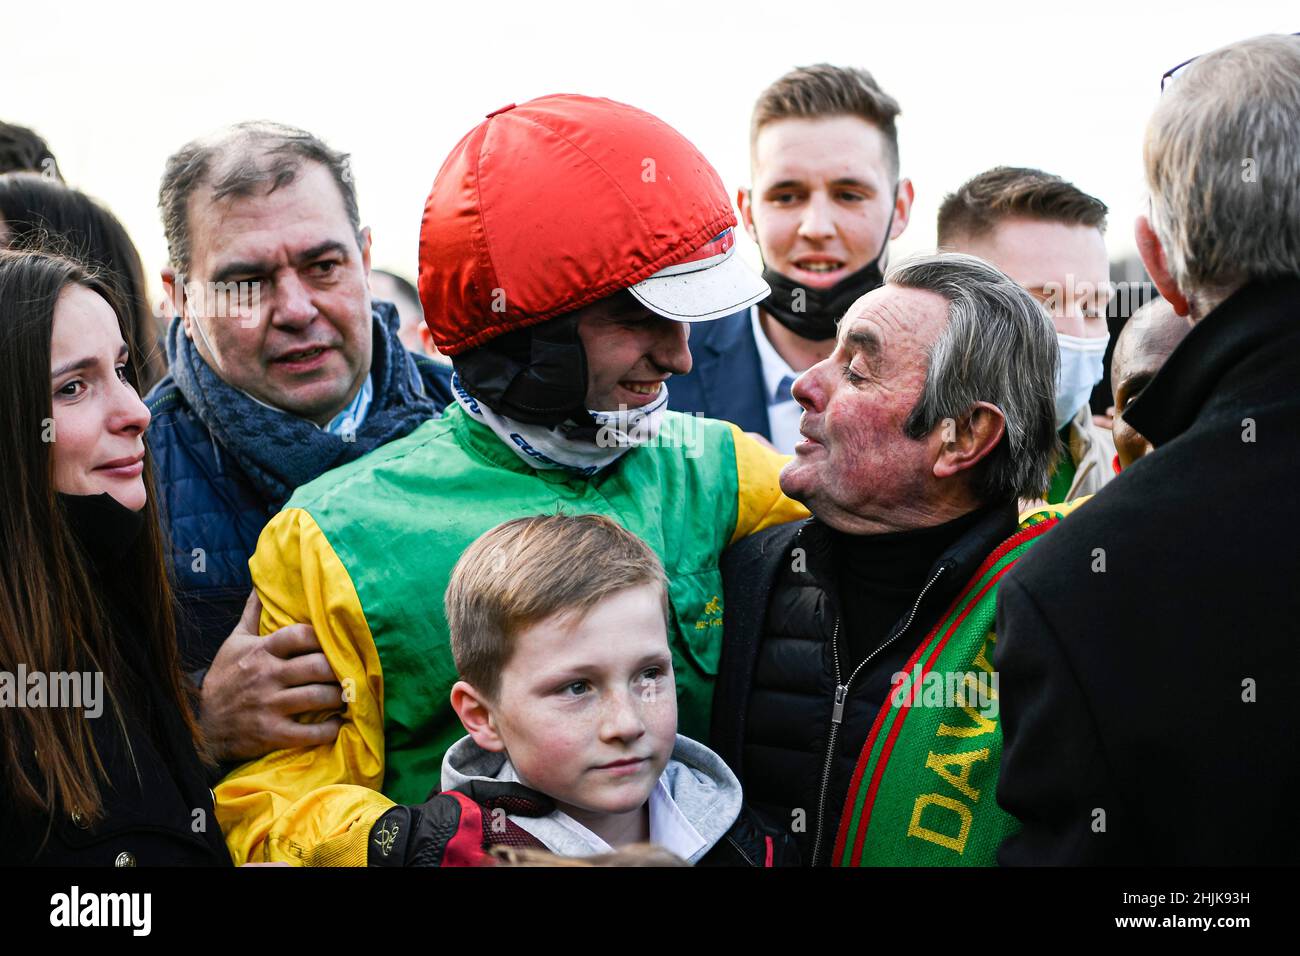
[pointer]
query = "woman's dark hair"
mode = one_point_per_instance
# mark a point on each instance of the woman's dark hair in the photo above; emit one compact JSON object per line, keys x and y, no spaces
{"x":51,"y":612}
{"x":40,"y":214}
{"x":25,"y":150}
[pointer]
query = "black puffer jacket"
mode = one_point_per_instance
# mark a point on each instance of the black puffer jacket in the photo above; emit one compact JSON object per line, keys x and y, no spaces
{"x":776,"y":680}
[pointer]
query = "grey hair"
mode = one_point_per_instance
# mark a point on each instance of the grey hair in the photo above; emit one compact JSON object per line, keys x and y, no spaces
{"x":1222,"y":157}
{"x":999,"y":347}
{"x":239,"y":161}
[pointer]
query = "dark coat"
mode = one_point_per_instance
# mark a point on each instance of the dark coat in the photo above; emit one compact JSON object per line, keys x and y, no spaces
{"x":214,"y":512}
{"x":157,"y":806}
{"x":776,"y":689}
{"x":1149,"y":708}
{"x":441,"y":822}
{"x":726,"y":377}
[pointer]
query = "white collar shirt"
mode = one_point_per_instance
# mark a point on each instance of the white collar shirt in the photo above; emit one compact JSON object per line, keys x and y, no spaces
{"x":783,"y":412}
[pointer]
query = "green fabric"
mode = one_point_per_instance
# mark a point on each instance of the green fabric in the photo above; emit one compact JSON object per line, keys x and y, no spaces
{"x":1063,"y":477}
{"x":923,"y":793}
{"x":399,"y":519}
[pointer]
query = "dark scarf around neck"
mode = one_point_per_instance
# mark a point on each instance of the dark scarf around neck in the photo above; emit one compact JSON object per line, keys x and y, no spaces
{"x":279,"y":451}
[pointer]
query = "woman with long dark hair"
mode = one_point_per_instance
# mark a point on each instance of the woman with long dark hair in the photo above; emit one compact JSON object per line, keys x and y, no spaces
{"x":99,"y":744}
{"x":41,"y":214}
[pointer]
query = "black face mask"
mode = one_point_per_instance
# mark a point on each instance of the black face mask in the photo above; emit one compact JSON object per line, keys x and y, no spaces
{"x":814,"y":313}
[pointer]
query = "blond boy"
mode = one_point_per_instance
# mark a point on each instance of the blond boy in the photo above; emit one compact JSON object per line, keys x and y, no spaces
{"x":559,"y":631}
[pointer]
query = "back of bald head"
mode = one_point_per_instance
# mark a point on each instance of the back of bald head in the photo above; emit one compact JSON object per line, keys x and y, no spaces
{"x":1149,"y":337}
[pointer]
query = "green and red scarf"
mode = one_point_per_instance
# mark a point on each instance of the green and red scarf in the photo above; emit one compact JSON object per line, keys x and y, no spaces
{"x":923,"y":790}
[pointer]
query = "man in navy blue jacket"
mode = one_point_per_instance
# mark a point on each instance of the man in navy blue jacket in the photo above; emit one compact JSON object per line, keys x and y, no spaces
{"x":826,"y":200}
{"x":281,"y":368}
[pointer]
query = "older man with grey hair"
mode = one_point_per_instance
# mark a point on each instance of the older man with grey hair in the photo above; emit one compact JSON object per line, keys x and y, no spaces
{"x":858,"y":642}
{"x":1147,"y":650}
{"x":282,"y":367}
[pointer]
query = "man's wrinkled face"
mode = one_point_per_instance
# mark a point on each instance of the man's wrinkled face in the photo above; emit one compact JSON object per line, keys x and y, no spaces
{"x":586,"y":706}
{"x":278,"y":303}
{"x":823,"y":190}
{"x":631,"y":352}
{"x":1063,"y":266}
{"x":855,"y":467}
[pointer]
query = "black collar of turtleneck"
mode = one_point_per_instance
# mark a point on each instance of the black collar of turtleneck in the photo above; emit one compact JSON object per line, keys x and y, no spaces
{"x":959,"y":546}
{"x":104,"y":528}
{"x":1253,"y":333}
{"x":900,"y":559}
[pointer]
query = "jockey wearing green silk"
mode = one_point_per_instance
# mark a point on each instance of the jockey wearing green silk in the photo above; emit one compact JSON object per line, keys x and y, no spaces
{"x":562,"y":289}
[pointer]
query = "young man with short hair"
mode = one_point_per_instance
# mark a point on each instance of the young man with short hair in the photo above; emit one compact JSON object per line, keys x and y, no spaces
{"x":1048,"y":235}
{"x":826,"y":200}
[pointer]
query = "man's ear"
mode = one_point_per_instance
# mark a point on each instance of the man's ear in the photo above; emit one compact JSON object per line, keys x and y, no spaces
{"x":174,"y":289}
{"x":365,"y":251}
{"x":902,"y":208}
{"x":475,"y":713}
{"x":966,"y":442}
{"x":745,"y":203}
{"x":1153,"y":257}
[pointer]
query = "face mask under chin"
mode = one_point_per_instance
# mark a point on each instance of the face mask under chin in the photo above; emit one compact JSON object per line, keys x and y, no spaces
{"x":815,"y":313}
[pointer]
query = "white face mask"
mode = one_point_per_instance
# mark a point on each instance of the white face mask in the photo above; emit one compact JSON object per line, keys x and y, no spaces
{"x":1081,"y":370}
{"x":549,"y":447}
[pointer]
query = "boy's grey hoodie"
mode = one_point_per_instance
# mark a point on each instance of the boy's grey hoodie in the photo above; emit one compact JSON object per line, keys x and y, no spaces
{"x":702,"y":786}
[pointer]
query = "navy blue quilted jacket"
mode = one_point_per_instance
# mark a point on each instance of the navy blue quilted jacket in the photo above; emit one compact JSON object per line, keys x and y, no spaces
{"x":213,"y":514}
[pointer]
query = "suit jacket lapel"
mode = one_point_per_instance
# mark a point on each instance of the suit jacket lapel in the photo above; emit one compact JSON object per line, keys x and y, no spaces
{"x":731,"y":375}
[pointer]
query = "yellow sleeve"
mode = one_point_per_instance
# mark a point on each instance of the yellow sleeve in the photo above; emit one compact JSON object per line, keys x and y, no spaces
{"x":760,"y":503}
{"x":1037,"y":511}
{"x":312,"y":806}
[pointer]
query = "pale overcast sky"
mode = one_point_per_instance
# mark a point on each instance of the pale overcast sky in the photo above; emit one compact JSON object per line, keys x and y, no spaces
{"x":115,"y":88}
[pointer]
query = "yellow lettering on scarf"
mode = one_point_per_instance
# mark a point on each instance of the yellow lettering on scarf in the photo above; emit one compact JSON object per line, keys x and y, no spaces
{"x":979,"y":723}
{"x":958,"y":842}
{"x":940,"y":763}
{"x":981,"y":661}
{"x":943,"y":807}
